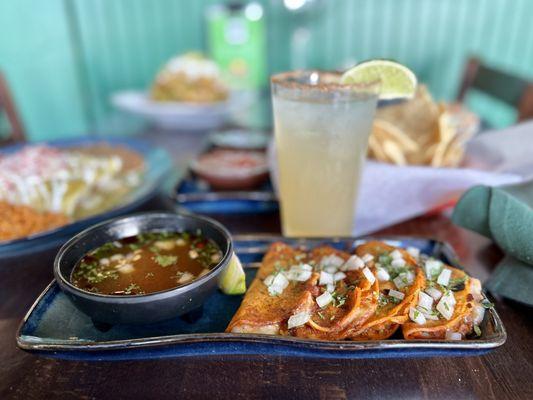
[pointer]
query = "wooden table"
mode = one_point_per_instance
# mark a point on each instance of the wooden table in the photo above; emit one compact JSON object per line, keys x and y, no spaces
{"x":505,"y":373}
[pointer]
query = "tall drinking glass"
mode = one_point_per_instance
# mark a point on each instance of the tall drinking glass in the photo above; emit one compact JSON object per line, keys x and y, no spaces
{"x":321,"y":134}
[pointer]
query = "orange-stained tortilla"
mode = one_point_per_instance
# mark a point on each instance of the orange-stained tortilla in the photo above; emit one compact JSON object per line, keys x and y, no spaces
{"x":462,"y":320}
{"x":335,"y":322}
{"x":388,"y":318}
{"x":262,"y":313}
{"x":360,"y":314}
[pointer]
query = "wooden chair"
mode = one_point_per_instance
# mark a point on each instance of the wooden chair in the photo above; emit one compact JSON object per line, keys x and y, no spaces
{"x":508,"y":88}
{"x":7,"y":106}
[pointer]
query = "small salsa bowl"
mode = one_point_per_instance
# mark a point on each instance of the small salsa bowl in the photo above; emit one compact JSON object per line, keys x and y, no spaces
{"x":145,"y":308}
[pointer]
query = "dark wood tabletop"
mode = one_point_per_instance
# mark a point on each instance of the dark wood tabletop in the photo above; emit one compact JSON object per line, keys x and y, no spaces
{"x":506,"y":373}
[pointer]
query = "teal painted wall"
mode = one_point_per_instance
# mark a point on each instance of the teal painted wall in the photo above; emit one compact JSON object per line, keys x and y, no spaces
{"x":64,"y":58}
{"x":37,"y":59}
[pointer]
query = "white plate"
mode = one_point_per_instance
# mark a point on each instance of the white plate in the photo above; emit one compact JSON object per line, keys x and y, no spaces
{"x":240,"y":139}
{"x":175,"y":115}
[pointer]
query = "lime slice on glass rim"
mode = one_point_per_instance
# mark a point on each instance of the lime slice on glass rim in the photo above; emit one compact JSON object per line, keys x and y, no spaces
{"x":233,"y":280}
{"x":396,"y":80}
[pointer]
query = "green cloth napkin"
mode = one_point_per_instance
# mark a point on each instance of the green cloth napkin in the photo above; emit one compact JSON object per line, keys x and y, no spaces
{"x":504,"y":214}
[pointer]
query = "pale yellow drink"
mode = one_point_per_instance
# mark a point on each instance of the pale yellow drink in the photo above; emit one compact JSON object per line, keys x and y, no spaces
{"x":321,"y":135}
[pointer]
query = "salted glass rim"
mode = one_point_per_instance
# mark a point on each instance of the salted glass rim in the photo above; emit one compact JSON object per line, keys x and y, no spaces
{"x":310,"y":80}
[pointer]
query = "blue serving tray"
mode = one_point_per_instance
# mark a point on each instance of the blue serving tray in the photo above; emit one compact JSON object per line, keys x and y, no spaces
{"x":196,"y":196}
{"x":158,"y":166}
{"x":55,"y":328}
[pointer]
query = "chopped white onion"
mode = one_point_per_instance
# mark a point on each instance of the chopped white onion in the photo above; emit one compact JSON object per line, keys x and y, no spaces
{"x":367,"y":258}
{"x":396,"y":254}
{"x":300,"y":272}
{"x":330,"y":287}
{"x":117,"y":257}
{"x":186,"y":277}
{"x":398,"y":263}
{"x":475,"y":289}
{"x":425,"y":301}
{"x":325,"y":278}
{"x":268,"y":280}
{"x":292,"y":274}
{"x":298,"y":319}
{"x":331,"y":260}
{"x":369,"y":275}
{"x":305,"y":267}
{"x":339,"y":276}
{"x":302,"y":276}
{"x":434,"y":292}
{"x":280,"y":280}
{"x":449,"y":297}
{"x":396,"y":294}
{"x":432,"y":267}
{"x":416,"y":316}
{"x":274,"y":290}
{"x":444,"y":277}
{"x":414,"y":252}
{"x":453,"y":335}
{"x":126,"y":268}
{"x":382,"y":275}
{"x":403,"y":280}
{"x":331,"y":269}
{"x":428,"y":314}
{"x":445,"y":306}
{"x":353,"y":263}
{"x":478,"y":313}
{"x":324,"y":299}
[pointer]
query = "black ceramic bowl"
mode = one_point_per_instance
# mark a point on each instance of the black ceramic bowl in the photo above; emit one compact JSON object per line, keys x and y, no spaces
{"x":139,"y":309}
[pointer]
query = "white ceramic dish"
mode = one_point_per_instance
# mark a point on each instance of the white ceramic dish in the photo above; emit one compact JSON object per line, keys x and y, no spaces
{"x":175,"y":115}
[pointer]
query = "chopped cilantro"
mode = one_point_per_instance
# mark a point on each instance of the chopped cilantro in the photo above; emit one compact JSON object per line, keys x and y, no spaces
{"x":394,"y":300}
{"x":383,"y":300}
{"x":457,"y":284}
{"x":165,"y":261}
{"x":338,"y":299}
{"x":487,"y":304}
{"x":477,"y":330}
{"x":133,"y":288}
{"x":384,"y":259}
{"x":134,"y":246}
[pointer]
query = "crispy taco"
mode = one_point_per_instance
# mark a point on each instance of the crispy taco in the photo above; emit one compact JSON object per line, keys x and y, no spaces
{"x":320,"y":294}
{"x":400,"y":281}
{"x":329,"y":294}
{"x":449,"y":306}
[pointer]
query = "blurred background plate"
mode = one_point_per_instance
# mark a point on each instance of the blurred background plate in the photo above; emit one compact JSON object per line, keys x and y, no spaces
{"x":175,"y":115}
{"x":158,"y":166}
{"x":240,"y":139}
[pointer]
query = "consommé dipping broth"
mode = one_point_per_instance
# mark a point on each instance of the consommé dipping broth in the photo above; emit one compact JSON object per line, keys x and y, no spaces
{"x":146,"y":263}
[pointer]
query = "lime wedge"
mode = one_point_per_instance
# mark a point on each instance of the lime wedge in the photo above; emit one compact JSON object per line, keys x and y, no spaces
{"x":233,"y":279}
{"x":397,"y":81}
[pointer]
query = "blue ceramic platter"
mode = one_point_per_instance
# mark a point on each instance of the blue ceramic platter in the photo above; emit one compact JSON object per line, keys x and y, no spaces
{"x":158,"y":165}
{"x":55,"y":328}
{"x":195,"y":195}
